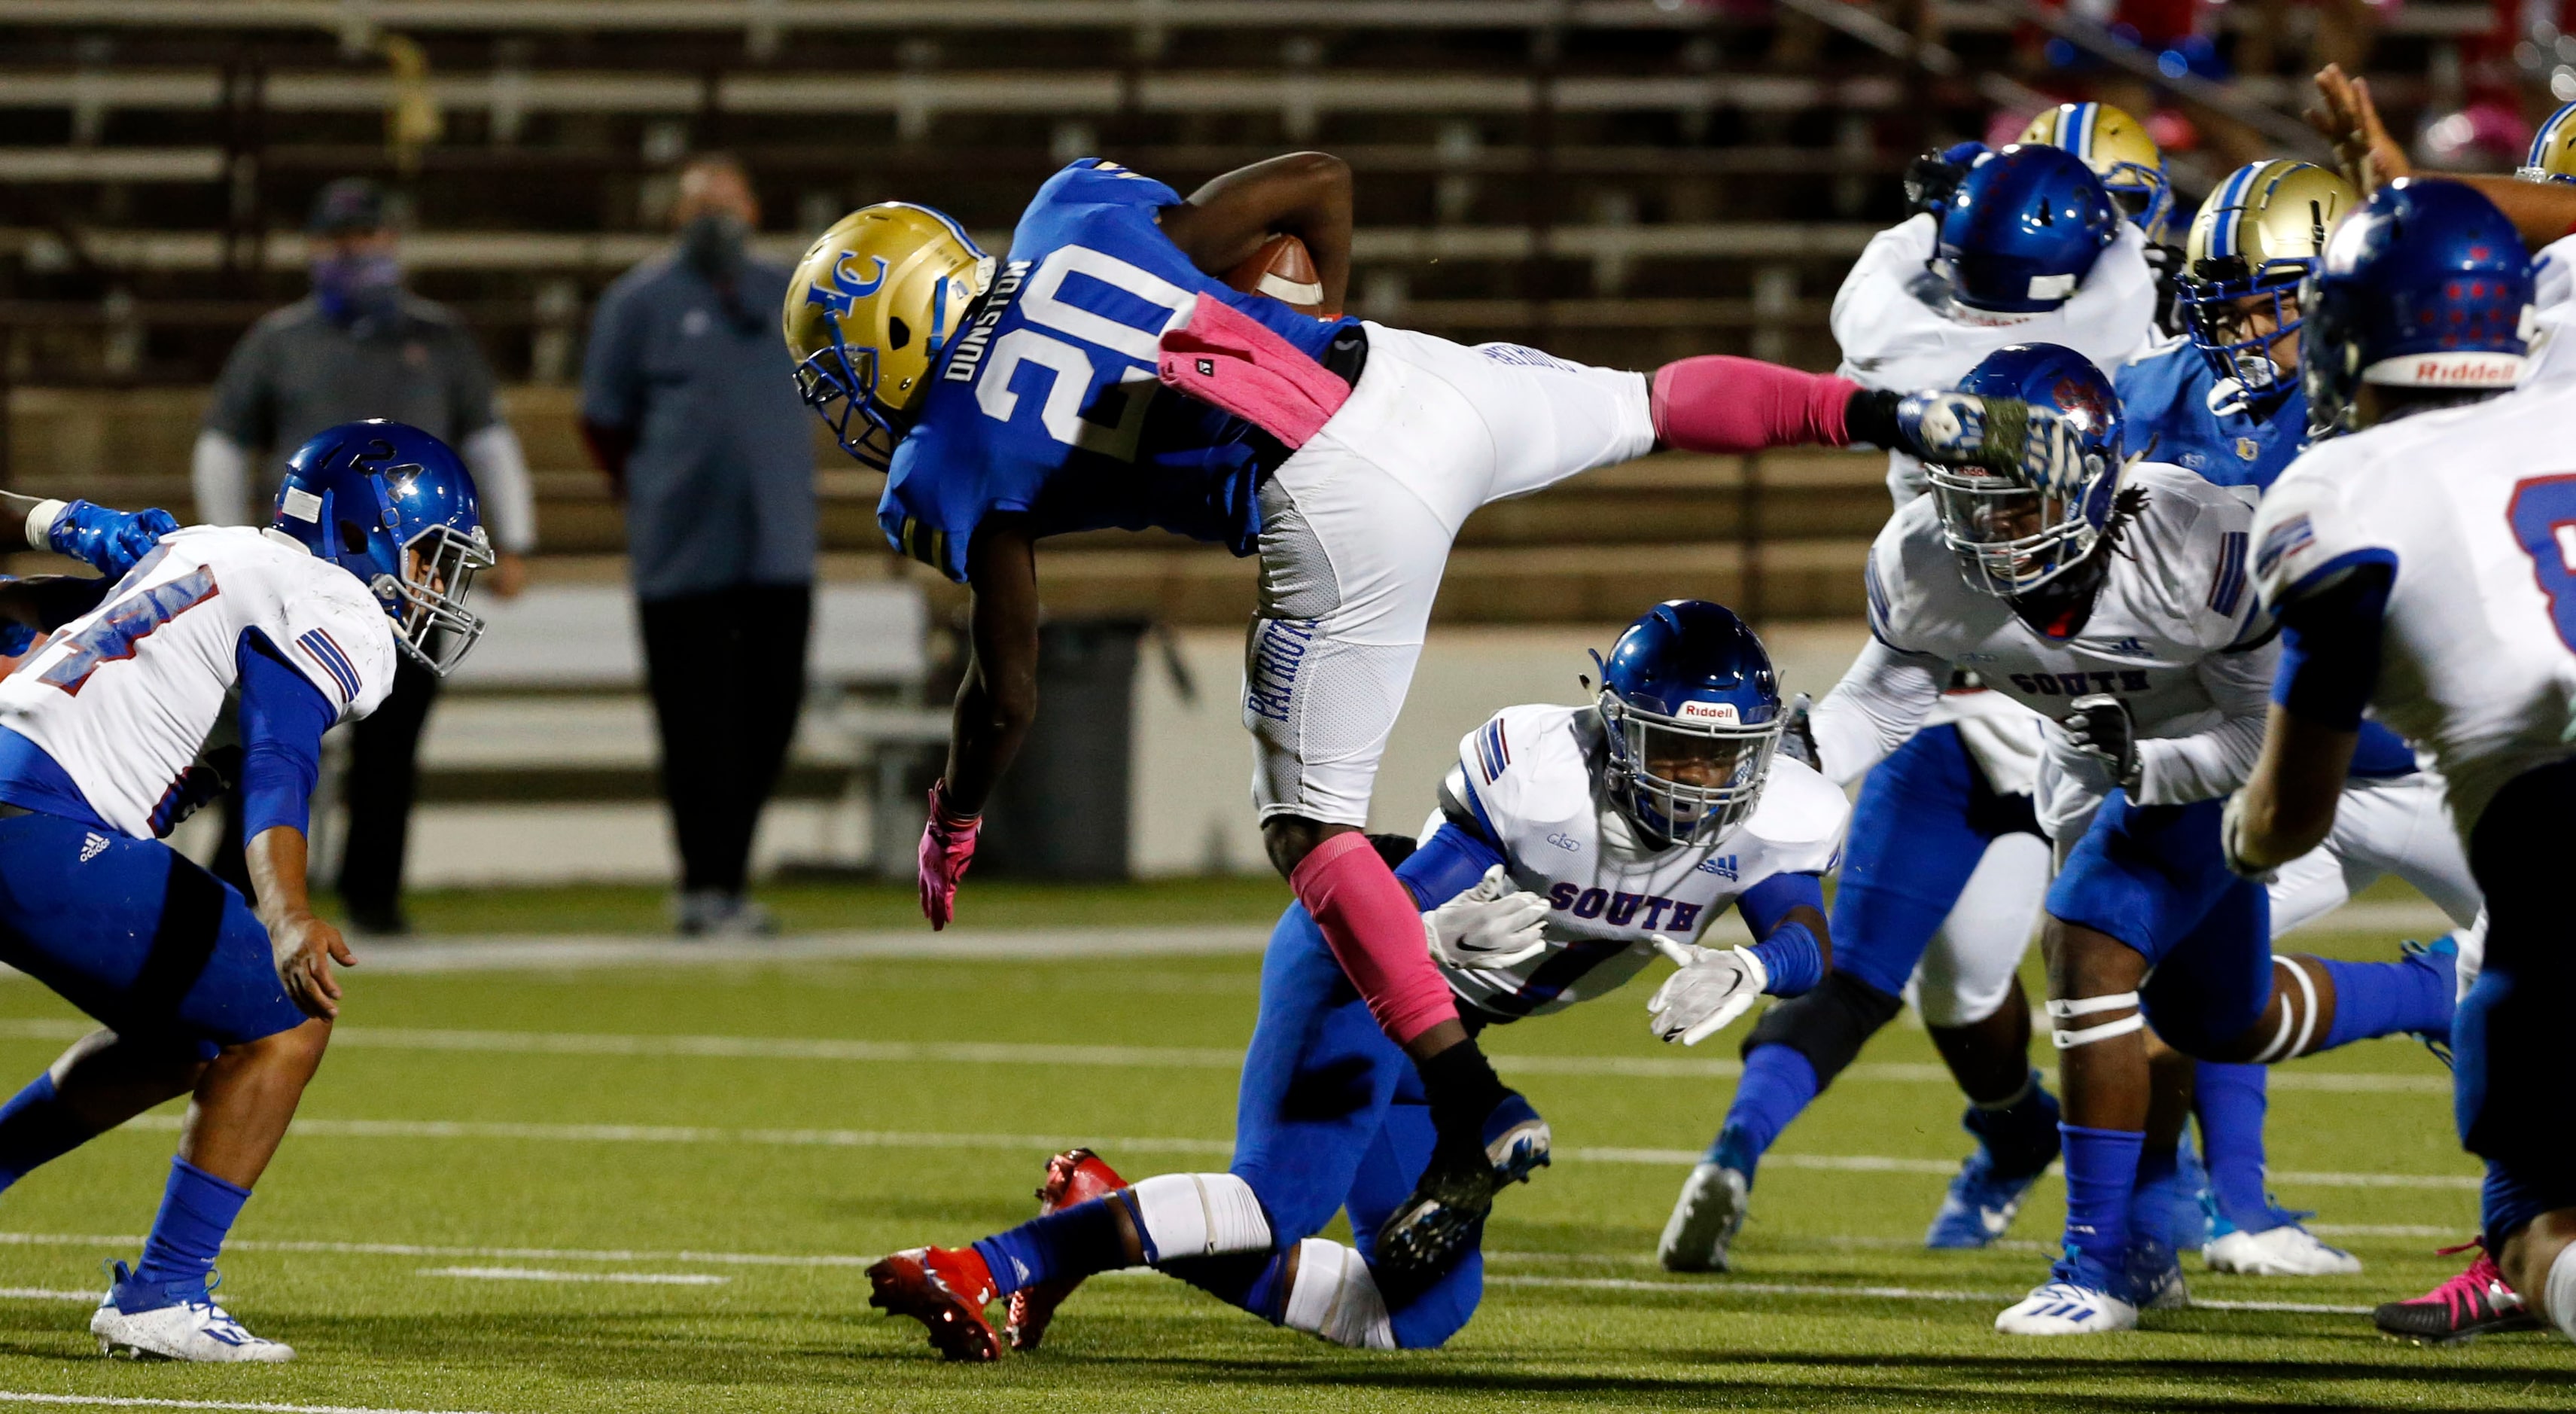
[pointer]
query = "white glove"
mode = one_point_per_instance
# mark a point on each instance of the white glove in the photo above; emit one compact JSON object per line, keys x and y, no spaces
{"x":1489,"y":926}
{"x":1714,"y":987}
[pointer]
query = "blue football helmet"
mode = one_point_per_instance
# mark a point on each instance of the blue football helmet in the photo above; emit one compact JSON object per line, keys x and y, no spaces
{"x":2012,"y":537}
{"x":2023,"y":229}
{"x":392,"y":505}
{"x":1691,"y":709}
{"x":2427,"y":285}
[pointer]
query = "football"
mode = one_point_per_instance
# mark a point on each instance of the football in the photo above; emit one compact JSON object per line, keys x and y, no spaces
{"x":1283,"y":270}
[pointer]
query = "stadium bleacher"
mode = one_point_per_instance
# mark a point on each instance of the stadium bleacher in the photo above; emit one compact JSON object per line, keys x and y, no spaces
{"x":1621,"y":181}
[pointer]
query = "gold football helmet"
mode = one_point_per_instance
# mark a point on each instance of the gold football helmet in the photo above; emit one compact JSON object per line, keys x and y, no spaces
{"x":2117,"y":148}
{"x":2553,"y":149}
{"x":2259,"y":233}
{"x":873,"y":303}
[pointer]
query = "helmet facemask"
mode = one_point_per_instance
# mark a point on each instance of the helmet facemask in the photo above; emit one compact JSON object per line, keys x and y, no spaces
{"x":428,"y":603}
{"x":1686,"y":779}
{"x":2011,"y":537}
{"x":2227,"y":307}
{"x":2143,"y":196}
{"x":840,"y":384}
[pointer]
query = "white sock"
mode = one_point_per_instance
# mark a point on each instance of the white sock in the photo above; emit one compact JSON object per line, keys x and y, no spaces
{"x":1335,"y":1298}
{"x":2558,"y":1302}
{"x":1198,"y":1215}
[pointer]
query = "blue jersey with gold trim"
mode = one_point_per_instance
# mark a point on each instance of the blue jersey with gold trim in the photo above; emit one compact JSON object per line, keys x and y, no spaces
{"x":2166,"y":396}
{"x":1047,"y":403}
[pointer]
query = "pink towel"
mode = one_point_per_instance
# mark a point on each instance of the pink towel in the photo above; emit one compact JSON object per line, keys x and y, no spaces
{"x":1228,"y":359}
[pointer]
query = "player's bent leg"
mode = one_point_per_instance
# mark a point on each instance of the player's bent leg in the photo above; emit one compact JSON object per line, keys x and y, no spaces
{"x":1969,"y":992}
{"x":1790,"y":1056}
{"x":164,"y":1306}
{"x":102,"y":1081}
{"x":2093,"y":1001}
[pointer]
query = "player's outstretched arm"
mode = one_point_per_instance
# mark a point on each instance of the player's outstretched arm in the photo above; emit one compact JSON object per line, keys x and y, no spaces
{"x":995,"y":705}
{"x":2328,"y":668}
{"x":2542,"y":211}
{"x":105,"y":540}
{"x":1304,"y":194}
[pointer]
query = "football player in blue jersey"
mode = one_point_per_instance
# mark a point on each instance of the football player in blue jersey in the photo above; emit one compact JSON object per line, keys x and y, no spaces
{"x":1101,"y":374}
{"x":1571,"y":848}
{"x":290,"y":630}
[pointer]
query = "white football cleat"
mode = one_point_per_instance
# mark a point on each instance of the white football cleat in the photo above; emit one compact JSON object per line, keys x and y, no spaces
{"x":2063,"y":1308}
{"x":1712,"y":1206}
{"x":196,"y":1330}
{"x":2285,"y":1251}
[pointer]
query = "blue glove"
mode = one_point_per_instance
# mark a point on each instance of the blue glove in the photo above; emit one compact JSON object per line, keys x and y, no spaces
{"x":15,"y":639}
{"x":111,"y":542}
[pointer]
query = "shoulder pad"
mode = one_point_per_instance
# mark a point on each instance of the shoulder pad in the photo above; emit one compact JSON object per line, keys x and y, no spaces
{"x":1800,"y":820}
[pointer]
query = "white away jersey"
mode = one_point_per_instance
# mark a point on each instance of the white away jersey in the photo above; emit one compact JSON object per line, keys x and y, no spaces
{"x":124,"y":697}
{"x":2553,"y":340}
{"x":2476,"y":508}
{"x":1899,"y":329}
{"x":2173,"y":601}
{"x":1528,"y":776}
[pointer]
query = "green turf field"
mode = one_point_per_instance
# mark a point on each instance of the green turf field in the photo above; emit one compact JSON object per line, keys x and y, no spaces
{"x":654,"y":1189}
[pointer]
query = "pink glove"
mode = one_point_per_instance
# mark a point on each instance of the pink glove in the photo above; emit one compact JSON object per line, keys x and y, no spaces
{"x":947,"y":847}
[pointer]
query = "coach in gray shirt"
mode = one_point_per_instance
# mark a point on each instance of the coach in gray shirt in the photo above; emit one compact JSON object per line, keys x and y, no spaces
{"x":688,"y":407}
{"x":362,"y":346}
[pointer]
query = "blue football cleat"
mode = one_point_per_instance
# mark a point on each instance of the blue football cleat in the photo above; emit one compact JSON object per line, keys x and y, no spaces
{"x":1985,"y":1195}
{"x":1425,"y":1236}
{"x":2151,"y":1276}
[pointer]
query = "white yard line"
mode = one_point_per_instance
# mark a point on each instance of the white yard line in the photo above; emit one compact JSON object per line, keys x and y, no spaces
{"x":907,"y":1139}
{"x":38,"y":1293}
{"x":1223,"y":1058}
{"x":537,"y":1274}
{"x":123,"y":1402}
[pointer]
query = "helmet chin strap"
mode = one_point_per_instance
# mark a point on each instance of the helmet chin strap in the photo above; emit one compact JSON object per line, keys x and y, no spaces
{"x":2060,"y":608}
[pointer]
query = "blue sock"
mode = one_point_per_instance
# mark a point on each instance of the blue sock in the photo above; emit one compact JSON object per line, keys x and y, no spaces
{"x":197,"y":1209}
{"x":2020,"y":1137}
{"x":2386,"y":998}
{"x":1778,"y":1083}
{"x":2229,"y":1101}
{"x":35,"y":1129}
{"x":1074,"y":1242}
{"x":2101,"y":1172}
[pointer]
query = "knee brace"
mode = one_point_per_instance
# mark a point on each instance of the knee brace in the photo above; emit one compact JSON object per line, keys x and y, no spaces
{"x":1828,"y":1025}
{"x":2066,"y":1040}
{"x":1182,"y":1215}
{"x":1334,"y":1297}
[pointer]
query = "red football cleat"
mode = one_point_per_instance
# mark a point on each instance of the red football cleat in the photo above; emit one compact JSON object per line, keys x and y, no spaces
{"x":944,"y":1288}
{"x":2476,"y":1302}
{"x":1074,"y":1176}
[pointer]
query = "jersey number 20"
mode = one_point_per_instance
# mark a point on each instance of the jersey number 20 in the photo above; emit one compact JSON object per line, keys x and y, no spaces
{"x":1045,"y":305}
{"x":2543,"y":516}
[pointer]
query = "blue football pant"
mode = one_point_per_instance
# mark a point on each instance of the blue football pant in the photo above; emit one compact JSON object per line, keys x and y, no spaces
{"x":1331,"y":1118}
{"x":133,"y":933}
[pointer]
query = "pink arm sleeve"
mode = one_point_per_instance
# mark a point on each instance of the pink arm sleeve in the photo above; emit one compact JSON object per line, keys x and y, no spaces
{"x":1717,"y":403}
{"x":1375,"y":930}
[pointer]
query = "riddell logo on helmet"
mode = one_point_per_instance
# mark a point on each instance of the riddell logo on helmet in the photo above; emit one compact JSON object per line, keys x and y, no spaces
{"x":2437,"y":370}
{"x":1722,"y":713}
